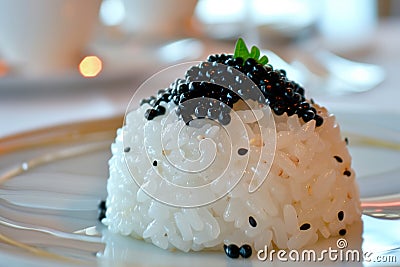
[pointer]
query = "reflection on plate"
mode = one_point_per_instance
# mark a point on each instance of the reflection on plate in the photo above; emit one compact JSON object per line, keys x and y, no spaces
{"x":50,"y":203}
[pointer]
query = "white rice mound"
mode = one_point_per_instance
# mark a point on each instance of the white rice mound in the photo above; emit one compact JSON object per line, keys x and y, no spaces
{"x":306,"y":184}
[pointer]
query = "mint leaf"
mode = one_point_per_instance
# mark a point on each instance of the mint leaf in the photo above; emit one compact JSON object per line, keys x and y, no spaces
{"x":242,"y":51}
{"x":255,"y":52}
{"x":263,"y":60}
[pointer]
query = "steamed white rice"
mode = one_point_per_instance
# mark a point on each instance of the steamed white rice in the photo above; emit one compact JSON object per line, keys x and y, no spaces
{"x":306,"y":184}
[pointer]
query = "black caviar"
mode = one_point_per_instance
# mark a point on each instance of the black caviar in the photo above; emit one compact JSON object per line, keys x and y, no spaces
{"x":232,"y":251}
{"x":205,"y":100}
{"x":154,"y":112}
{"x":245,"y":251}
{"x":280,"y":93}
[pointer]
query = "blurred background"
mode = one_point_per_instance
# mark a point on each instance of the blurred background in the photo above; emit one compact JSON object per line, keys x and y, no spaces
{"x":69,"y":60}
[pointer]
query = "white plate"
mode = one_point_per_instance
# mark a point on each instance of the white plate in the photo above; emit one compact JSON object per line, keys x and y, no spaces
{"x":44,"y":206}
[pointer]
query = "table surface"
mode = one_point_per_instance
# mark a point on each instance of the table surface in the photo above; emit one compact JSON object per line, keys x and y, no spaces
{"x":27,"y":108}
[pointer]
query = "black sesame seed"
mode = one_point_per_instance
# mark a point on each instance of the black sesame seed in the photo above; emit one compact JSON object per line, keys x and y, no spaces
{"x":340,"y":215}
{"x":102,"y":210}
{"x":127,"y":149}
{"x":346,"y":140}
{"x":252,"y":221}
{"x":305,"y":226}
{"x":242,"y":151}
{"x":347,"y":173}
{"x":245,"y":251}
{"x":338,"y":159}
{"x":155,"y":163}
{"x":232,"y":251}
{"x":342,"y":232}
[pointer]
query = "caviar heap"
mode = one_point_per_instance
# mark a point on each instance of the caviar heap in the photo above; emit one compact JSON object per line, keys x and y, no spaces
{"x":280,"y":93}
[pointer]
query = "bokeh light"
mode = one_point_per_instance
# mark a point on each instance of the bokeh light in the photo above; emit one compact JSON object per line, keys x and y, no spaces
{"x":112,"y":12}
{"x":3,"y":68}
{"x":90,"y":66}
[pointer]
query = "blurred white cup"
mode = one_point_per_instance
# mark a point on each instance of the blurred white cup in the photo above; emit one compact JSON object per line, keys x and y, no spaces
{"x":45,"y":36}
{"x":347,"y":25}
{"x":160,"y":19}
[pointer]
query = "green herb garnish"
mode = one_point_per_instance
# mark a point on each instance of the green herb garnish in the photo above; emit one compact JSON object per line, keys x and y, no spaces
{"x":242,"y":51}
